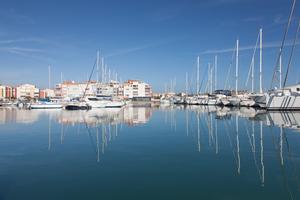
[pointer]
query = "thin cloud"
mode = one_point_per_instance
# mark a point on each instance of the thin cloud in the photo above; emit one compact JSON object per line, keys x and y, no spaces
{"x":129,"y":50}
{"x":32,"y":53}
{"x":20,"y":49}
{"x":142,"y":47}
{"x":276,"y":44}
{"x":27,"y":40}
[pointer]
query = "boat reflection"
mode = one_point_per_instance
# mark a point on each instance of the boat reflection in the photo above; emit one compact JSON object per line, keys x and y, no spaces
{"x":127,"y":115}
{"x":243,"y":132}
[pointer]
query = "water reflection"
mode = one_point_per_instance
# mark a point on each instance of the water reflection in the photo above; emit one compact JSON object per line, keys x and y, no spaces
{"x":254,"y":143}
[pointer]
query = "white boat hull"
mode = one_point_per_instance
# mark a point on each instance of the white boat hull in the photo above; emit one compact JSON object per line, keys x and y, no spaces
{"x":46,"y":106}
{"x":285,"y":102}
{"x":247,"y":103}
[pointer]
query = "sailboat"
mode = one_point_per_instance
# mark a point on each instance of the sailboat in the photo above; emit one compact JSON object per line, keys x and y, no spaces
{"x":285,"y":98}
{"x":103,"y":102}
{"x":235,"y":100}
{"x":46,"y":104}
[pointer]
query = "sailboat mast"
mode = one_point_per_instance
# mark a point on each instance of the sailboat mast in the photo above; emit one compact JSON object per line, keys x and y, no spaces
{"x":280,"y":71}
{"x":186,"y":83}
{"x":252,"y":75}
{"x":260,"y":61}
{"x":98,"y":66}
{"x":102,"y":70}
{"x":198,"y":66}
{"x":216,"y":68}
{"x":49,"y":76}
{"x":209,"y":79}
{"x":237,"y":67}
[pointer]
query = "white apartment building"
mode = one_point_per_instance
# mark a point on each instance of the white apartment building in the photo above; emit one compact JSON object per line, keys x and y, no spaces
{"x":27,"y":91}
{"x":129,"y":89}
{"x":71,"y":89}
{"x":111,"y":89}
{"x":135,"y":88}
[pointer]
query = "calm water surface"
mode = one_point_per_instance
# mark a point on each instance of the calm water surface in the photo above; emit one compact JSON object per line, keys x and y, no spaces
{"x":149,"y":153}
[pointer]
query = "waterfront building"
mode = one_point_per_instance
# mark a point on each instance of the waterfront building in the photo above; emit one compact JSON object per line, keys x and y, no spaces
{"x":135,"y":88}
{"x":27,"y":91}
{"x":7,"y":92}
{"x":112,"y":88}
{"x":46,"y":93}
{"x":72,"y":89}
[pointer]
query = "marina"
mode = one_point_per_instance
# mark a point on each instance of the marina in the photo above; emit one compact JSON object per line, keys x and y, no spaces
{"x":138,"y":100}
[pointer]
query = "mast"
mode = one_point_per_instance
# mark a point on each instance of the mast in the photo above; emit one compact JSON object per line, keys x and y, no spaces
{"x":291,"y":55}
{"x":260,"y":61}
{"x":283,"y":42}
{"x":209,"y":78}
{"x":98,"y":66}
{"x":252,"y":75}
{"x":61,"y":77}
{"x":105,"y":73}
{"x":102,"y":70}
{"x":198,"y":66}
{"x":216,"y":68}
{"x":237,"y":67}
{"x":186,"y":83}
{"x":280,"y":71}
{"x":49,"y":76}
{"x":109,"y":75}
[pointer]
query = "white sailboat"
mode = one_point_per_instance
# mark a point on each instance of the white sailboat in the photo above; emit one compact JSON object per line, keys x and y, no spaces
{"x":100,"y":102}
{"x":46,"y":104}
{"x":235,"y":100}
{"x":286,"y":98}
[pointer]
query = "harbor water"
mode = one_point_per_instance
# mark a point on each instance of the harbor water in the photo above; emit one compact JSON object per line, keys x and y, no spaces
{"x":169,"y":152}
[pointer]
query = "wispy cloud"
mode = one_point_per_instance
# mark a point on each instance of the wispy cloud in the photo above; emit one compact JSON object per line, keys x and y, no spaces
{"x":31,"y":47}
{"x":246,"y":48}
{"x":20,"y":49}
{"x":36,"y":54}
{"x":142,"y":47}
{"x":129,"y":50}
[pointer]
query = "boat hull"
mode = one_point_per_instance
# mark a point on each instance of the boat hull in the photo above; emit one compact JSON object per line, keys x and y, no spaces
{"x":46,"y":106}
{"x":285,"y":102}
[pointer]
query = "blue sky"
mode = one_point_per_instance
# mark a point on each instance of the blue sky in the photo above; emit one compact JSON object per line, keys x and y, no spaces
{"x":155,"y":41}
